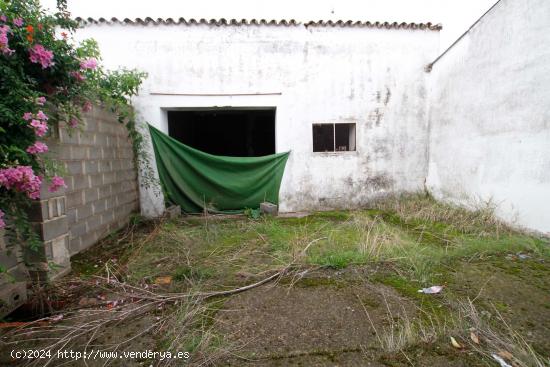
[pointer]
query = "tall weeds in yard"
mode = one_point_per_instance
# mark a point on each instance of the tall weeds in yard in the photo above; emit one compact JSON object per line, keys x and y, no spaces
{"x":405,"y":330}
{"x":497,"y":338}
{"x":479,"y":219}
{"x":489,"y":336}
{"x":421,"y":234}
{"x":376,"y":237}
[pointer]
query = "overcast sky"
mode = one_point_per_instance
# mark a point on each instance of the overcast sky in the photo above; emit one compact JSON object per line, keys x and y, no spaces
{"x":455,"y":15}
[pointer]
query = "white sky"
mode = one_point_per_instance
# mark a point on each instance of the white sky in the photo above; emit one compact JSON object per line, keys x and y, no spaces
{"x":455,"y":15}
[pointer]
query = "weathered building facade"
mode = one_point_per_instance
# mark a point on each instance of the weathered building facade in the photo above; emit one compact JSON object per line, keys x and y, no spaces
{"x":490,"y":115}
{"x":365,"y":78}
{"x":362,"y":106}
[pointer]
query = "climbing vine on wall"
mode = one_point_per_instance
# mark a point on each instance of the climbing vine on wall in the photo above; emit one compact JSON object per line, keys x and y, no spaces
{"x":47,"y":80}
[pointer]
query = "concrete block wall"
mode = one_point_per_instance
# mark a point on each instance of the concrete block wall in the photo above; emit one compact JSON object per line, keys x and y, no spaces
{"x":101,"y":194}
{"x":13,"y":279}
{"x":102,"y":189}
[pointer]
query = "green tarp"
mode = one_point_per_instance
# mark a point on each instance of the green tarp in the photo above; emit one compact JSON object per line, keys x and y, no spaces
{"x":195,"y":180}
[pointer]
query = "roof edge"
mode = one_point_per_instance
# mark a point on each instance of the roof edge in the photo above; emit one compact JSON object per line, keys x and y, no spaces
{"x":273,"y":22}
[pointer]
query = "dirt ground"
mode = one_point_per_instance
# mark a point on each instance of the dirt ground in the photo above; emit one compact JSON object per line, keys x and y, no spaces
{"x":343,"y":299}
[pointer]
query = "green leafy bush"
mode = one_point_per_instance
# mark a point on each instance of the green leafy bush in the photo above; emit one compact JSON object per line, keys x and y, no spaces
{"x":46,"y":82}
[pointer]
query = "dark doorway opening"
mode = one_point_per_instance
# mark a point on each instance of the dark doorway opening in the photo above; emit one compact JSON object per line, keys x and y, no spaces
{"x":229,"y":132}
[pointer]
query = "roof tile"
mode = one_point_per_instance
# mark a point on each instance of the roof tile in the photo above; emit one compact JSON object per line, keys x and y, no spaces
{"x":272,"y":22}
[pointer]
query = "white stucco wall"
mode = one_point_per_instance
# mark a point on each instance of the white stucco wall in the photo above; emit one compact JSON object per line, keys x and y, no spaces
{"x":373,"y":77}
{"x":490,"y":115}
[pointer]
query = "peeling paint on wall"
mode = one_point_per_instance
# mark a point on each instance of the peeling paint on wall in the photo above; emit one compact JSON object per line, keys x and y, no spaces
{"x":319,"y":74}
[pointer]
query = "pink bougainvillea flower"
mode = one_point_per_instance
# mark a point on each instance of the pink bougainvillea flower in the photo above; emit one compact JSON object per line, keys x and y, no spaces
{"x":3,"y":18}
{"x":21,"y":179}
{"x":90,"y":63}
{"x":40,"y":101}
{"x":18,"y":22}
{"x":87,"y":107}
{"x":2,"y":223}
{"x":40,"y":55}
{"x":40,"y":127}
{"x":73,"y":122}
{"x":79,"y":77}
{"x":41,"y":116}
{"x":4,"y":47}
{"x":27,"y":116}
{"x":57,"y":183}
{"x":37,"y":148}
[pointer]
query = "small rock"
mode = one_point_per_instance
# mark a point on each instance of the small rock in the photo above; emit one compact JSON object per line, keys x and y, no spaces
{"x":85,"y":301}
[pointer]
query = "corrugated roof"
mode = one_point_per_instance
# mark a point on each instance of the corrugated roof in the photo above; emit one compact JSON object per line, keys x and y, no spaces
{"x":273,"y":22}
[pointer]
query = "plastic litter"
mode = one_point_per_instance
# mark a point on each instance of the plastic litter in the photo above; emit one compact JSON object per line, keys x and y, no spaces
{"x":500,"y":360}
{"x":431,"y":290}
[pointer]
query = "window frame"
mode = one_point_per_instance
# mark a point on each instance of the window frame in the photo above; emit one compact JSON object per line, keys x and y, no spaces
{"x":334,"y":151}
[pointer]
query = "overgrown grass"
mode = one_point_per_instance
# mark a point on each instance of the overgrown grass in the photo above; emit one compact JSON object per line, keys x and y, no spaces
{"x":415,"y":232}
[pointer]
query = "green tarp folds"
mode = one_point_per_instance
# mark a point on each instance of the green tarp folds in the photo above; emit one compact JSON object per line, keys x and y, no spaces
{"x":195,"y":180}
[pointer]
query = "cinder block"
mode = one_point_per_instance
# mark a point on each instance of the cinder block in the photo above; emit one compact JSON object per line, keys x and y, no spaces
{"x":94,"y":152}
{"x":105,"y":166}
{"x":12,"y":296}
{"x":74,"y":245}
{"x":88,"y":239}
{"x":68,"y":136}
{"x":3,"y":240}
{"x":56,"y":207}
{"x":74,"y":167}
{"x":71,"y":216}
{"x":108,"y":217}
{"x":52,"y":228}
{"x":108,"y":153}
{"x":99,"y":206}
{"x":96,"y":180}
{"x":75,"y":198}
{"x":79,"y":182}
{"x":101,"y":140}
{"x":91,"y":167}
{"x":104,"y":191}
{"x":173,"y":211}
{"x":62,"y":152}
{"x":78,"y":230}
{"x":87,"y":138}
{"x":116,"y":188}
{"x":94,"y":222}
{"x":91,"y":195}
{"x":78,"y":152}
{"x":38,"y":210}
{"x":46,"y":194}
{"x":269,"y":208}
{"x":125,"y":153}
{"x":124,"y":198}
{"x":109,"y":178}
{"x":84,"y":211}
{"x":101,"y":115}
{"x":117,"y":165}
{"x":90,"y":124}
{"x":60,"y":250}
{"x":110,"y":203}
{"x":105,"y":127}
{"x":61,"y":205}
